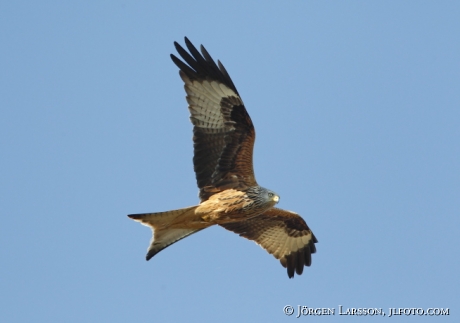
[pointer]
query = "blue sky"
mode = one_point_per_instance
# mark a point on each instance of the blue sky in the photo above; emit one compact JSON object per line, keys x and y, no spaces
{"x":356,"y":105}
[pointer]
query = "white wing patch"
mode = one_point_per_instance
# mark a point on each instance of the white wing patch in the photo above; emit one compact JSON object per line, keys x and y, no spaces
{"x":204,"y":99}
{"x":283,"y":234}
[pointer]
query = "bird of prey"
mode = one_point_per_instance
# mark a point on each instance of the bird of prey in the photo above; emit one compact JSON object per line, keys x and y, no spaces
{"x":223,"y":141}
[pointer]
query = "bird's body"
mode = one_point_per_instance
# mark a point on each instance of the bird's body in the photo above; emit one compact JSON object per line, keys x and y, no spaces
{"x":223,"y":137}
{"x":232,"y":205}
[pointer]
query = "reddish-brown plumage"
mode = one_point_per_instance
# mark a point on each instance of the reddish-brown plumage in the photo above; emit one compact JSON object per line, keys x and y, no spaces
{"x":223,"y":140}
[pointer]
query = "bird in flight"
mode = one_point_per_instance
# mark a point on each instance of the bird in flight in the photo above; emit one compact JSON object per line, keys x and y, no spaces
{"x":223,"y":141}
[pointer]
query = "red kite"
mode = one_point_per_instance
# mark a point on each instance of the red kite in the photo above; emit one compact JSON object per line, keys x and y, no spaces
{"x":223,"y":141}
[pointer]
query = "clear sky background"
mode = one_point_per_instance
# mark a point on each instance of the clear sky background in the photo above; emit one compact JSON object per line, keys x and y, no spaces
{"x":356,"y":105}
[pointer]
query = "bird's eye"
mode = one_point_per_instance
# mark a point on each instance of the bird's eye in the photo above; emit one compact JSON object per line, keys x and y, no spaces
{"x":270,"y":194}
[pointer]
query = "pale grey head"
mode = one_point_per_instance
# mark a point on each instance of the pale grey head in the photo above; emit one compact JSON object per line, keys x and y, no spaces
{"x":263,"y":197}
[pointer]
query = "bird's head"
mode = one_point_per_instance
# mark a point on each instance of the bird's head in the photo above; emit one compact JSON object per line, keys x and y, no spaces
{"x":263,"y":196}
{"x":271,"y":197}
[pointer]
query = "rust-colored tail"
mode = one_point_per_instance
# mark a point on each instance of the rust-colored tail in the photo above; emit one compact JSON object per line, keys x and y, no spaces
{"x":164,"y":233}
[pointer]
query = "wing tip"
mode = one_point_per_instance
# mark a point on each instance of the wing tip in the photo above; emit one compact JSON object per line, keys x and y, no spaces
{"x":201,"y":66}
{"x":296,"y":261}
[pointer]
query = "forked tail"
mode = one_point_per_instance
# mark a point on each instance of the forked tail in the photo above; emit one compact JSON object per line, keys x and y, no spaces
{"x":166,"y":227}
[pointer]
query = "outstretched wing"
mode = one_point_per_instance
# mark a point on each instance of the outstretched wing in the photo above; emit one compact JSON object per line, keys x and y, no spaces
{"x":283,"y":234}
{"x":223,"y":133}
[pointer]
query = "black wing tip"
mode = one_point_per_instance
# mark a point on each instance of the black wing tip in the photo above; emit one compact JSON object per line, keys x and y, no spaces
{"x":177,"y":45}
{"x":135,"y":216}
{"x":188,"y":42}
{"x":296,"y":261}
{"x":200,"y":65}
{"x":314,"y":238}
